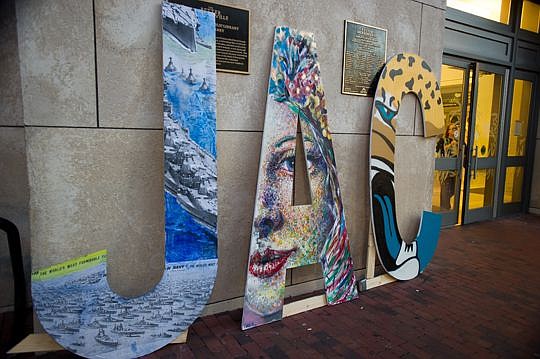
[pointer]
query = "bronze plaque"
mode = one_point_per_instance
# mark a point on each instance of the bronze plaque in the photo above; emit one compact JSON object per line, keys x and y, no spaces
{"x":232,"y":35}
{"x":364,"y":55}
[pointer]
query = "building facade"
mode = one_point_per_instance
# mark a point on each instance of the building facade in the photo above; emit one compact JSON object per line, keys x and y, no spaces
{"x":81,"y":129}
{"x":485,"y":161}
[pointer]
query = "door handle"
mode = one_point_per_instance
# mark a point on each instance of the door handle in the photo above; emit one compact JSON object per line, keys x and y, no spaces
{"x":475,"y":156}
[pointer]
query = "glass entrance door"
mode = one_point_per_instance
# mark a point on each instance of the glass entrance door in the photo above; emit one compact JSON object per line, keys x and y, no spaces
{"x":450,"y":147}
{"x":517,"y":146}
{"x":483,"y":150}
{"x":466,"y":153}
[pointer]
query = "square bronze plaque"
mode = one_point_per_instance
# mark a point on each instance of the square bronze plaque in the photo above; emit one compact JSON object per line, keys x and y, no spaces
{"x":364,"y":55}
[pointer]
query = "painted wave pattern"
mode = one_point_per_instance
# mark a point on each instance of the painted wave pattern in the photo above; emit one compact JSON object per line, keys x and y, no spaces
{"x":189,"y":113}
{"x":189,"y":239}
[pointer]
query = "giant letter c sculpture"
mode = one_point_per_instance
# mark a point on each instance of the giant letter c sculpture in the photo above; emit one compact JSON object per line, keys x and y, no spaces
{"x":404,"y":73}
{"x":73,"y":300}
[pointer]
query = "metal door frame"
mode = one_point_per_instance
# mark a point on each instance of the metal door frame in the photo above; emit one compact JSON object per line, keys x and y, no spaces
{"x":488,"y":212}
{"x":526,"y":161}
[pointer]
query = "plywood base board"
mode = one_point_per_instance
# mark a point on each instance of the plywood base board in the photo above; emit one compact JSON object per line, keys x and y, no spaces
{"x":367,"y":284}
{"x":304,"y":305}
{"x":42,"y":342}
{"x":36,"y":343}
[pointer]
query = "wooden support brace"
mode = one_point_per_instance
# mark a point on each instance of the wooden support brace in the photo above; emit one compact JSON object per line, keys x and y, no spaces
{"x":304,"y":305}
{"x":371,"y":281}
{"x":43,"y":342}
{"x":371,"y":256}
{"x":367,"y":284}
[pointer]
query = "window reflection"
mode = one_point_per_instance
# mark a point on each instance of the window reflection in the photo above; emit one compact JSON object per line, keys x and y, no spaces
{"x":488,"y":105}
{"x":521,"y":104}
{"x":444,"y":190}
{"x":496,"y":10}
{"x":481,"y":189}
{"x":444,"y":183}
{"x":513,"y":184}
{"x":530,"y":16}
{"x":452,"y":80}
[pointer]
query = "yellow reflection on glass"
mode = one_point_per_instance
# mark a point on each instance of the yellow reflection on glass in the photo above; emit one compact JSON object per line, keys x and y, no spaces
{"x":444,"y":191}
{"x":481,"y":189}
{"x":530,"y":16}
{"x":488,"y":105}
{"x":452,"y":79}
{"x":513,"y":184}
{"x":436,"y":194}
{"x":521,"y":104}
{"x":496,"y":10}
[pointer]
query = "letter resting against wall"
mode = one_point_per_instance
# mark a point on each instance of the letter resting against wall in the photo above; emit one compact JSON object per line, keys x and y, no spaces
{"x":286,"y":236}
{"x":403,"y":74}
{"x":73,"y":300}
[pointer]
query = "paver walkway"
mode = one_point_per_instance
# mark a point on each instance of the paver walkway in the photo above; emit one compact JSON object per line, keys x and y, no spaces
{"x":480,"y":297}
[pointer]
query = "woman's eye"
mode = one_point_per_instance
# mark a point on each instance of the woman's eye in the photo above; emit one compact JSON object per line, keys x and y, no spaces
{"x":287,"y":164}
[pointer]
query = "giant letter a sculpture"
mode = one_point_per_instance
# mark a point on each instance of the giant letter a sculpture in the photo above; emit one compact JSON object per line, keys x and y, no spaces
{"x":286,"y":236}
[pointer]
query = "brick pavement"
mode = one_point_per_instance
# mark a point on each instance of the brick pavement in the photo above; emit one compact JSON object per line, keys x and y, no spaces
{"x":480,"y":297}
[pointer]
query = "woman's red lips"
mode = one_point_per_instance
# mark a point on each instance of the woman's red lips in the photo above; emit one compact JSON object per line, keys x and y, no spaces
{"x":269,"y":262}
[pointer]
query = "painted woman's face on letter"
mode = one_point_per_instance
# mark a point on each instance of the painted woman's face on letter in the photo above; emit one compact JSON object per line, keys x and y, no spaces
{"x":285,"y":236}
{"x":288,"y":236}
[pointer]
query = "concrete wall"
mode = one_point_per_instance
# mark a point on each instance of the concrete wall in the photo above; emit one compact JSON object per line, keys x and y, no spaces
{"x":13,"y":174}
{"x":91,"y":83}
